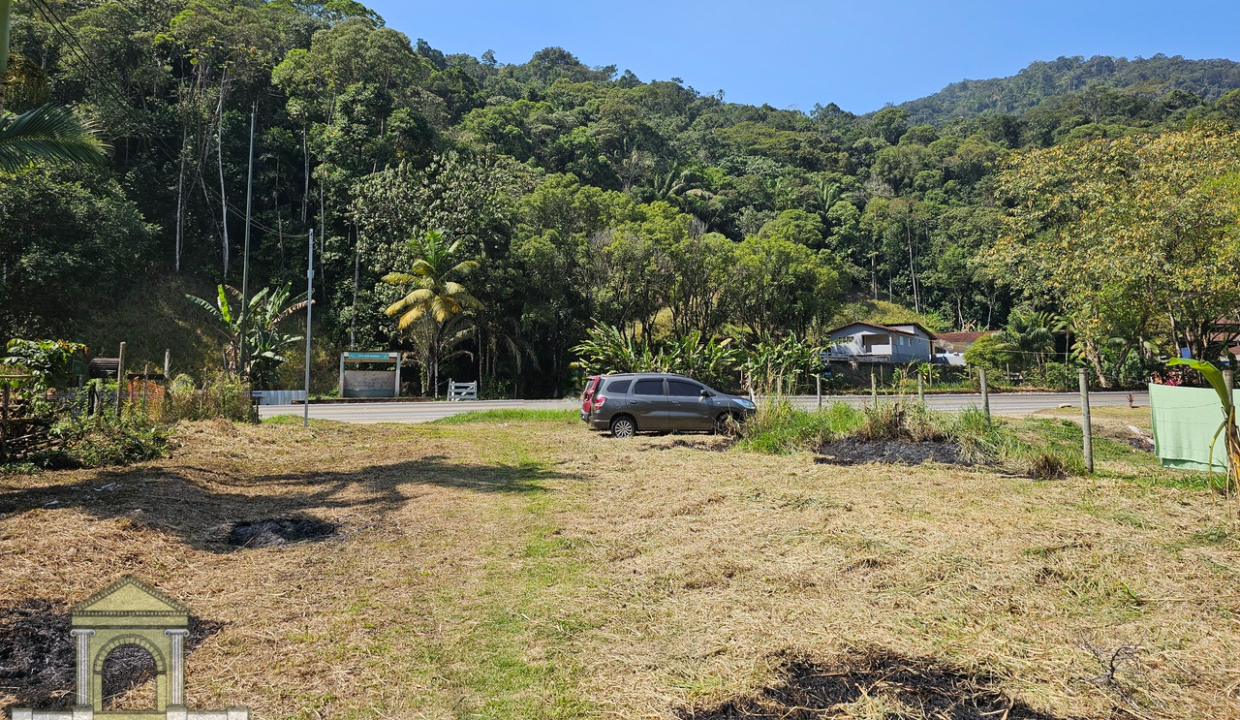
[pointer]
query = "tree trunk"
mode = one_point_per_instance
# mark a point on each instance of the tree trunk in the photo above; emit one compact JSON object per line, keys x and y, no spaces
{"x":305,"y":153}
{"x":219,"y":152}
{"x":1091,"y":353}
{"x":6,"y":7}
{"x":912,"y":268}
{"x":181,"y":197}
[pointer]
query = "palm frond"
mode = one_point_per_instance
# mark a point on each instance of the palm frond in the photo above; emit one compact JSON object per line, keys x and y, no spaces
{"x":49,"y":133}
{"x":399,"y":278}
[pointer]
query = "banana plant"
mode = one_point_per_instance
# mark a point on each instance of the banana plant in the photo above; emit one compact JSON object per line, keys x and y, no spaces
{"x":1231,"y":436}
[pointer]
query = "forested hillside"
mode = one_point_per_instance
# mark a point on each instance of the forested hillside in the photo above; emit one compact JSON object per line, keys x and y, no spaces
{"x":584,"y":195}
{"x":1157,"y":87}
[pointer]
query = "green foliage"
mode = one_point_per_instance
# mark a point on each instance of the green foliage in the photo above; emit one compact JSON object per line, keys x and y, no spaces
{"x":221,"y":396}
{"x":713,"y":361}
{"x":992,"y":353}
{"x":587,"y":196}
{"x":47,"y":362}
{"x":50,"y":134}
{"x":777,"y":366}
{"x":563,"y":417}
{"x":1129,"y":236}
{"x":1028,"y":337}
{"x":107,"y":440}
{"x":260,"y":325}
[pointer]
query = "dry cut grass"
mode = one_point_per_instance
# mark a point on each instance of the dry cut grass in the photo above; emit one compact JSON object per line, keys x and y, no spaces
{"x":529,"y":569}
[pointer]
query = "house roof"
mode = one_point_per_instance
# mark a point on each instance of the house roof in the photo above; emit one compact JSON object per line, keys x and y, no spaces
{"x":920,"y":327}
{"x":882,"y":328}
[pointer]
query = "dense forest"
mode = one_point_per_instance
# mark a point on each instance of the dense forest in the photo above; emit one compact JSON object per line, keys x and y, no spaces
{"x":549,"y":198}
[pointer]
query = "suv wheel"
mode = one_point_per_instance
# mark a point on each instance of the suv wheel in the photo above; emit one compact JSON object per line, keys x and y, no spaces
{"x":728,"y":424}
{"x":623,"y":427}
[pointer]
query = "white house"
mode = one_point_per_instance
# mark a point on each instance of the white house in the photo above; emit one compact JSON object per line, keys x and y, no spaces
{"x":951,"y":346}
{"x":867,"y":342}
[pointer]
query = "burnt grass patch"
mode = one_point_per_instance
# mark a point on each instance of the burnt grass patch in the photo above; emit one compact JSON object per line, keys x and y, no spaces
{"x":37,"y":656}
{"x":912,"y":689}
{"x":855,"y":451}
{"x":274,"y":532}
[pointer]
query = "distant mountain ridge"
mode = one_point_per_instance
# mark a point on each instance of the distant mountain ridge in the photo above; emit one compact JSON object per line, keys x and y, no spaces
{"x":1040,"y":81}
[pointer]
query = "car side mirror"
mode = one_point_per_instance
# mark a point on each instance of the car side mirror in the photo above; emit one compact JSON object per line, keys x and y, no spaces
{"x":706,"y":393}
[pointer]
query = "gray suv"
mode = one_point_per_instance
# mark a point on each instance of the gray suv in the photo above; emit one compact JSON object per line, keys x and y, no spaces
{"x":632,"y":402}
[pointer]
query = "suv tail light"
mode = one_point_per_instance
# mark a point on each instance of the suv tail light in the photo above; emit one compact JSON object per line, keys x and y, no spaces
{"x":598,"y":402}
{"x":591,"y":386}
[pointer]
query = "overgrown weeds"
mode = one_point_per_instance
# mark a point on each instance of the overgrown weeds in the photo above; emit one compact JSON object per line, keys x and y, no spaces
{"x":221,"y":396}
{"x":83,"y":441}
{"x":781,"y":428}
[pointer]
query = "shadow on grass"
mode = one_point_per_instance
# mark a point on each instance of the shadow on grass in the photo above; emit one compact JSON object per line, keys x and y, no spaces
{"x":37,"y":655}
{"x":907,"y":688}
{"x":202,"y":506}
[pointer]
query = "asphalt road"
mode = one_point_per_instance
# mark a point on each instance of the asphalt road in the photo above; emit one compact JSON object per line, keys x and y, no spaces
{"x":415,"y":412}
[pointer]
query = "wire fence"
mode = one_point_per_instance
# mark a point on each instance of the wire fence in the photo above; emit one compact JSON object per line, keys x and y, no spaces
{"x":30,"y":415}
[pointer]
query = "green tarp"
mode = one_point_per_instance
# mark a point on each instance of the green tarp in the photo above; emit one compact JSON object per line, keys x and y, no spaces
{"x":1185,"y":420}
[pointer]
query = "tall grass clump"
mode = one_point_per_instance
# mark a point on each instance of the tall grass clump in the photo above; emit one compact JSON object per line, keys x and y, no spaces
{"x":221,"y":396}
{"x":779,"y":428}
{"x":897,"y":421}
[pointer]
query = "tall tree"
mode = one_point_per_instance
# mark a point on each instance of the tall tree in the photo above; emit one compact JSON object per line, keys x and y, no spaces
{"x":437,"y":297}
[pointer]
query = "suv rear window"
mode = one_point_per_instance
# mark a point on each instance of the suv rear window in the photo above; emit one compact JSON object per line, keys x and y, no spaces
{"x":681,"y":388}
{"x":618,"y":387}
{"x":648,"y":387}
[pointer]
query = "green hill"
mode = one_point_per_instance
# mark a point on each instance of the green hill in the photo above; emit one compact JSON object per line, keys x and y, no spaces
{"x":1151,"y":78}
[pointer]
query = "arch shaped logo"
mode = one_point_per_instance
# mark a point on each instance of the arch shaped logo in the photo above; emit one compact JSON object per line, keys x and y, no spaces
{"x":130,"y":613}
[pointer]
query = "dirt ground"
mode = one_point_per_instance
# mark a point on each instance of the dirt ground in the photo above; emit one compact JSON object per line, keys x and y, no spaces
{"x":535,"y":570}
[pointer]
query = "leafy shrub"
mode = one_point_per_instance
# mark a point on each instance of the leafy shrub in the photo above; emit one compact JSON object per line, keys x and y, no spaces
{"x":101,"y":440}
{"x":713,"y":361}
{"x":46,"y":361}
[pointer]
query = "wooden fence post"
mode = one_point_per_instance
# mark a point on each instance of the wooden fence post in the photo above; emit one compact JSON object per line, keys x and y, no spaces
{"x":4,"y":423}
{"x":818,"y":384}
{"x":120,"y":378}
{"x":1087,"y":430}
{"x":921,"y":388}
{"x":981,"y":377}
{"x":873,"y":389}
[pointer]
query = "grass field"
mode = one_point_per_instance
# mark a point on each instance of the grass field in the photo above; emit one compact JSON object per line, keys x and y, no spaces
{"x":517,"y":566}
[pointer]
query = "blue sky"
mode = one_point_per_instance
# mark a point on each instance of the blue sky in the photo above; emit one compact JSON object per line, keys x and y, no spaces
{"x":858,"y":54}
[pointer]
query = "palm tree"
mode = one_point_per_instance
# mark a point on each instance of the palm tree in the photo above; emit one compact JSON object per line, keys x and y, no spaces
{"x":1029,"y":335}
{"x":437,"y":295}
{"x":46,"y":133}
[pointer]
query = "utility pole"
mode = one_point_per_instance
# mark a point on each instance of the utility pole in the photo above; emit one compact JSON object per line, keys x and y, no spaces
{"x":245,"y":263}
{"x":305,"y":421}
